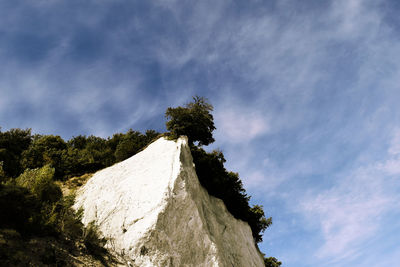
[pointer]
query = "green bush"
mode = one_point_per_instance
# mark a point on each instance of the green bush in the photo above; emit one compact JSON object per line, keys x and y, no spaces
{"x":129,"y":145}
{"x":20,"y":150}
{"x":257,"y":221}
{"x":94,"y":244}
{"x":44,"y":150}
{"x":12,"y":144}
{"x":272,"y":262}
{"x":40,"y":182}
{"x":19,"y":208}
{"x":3,"y":176}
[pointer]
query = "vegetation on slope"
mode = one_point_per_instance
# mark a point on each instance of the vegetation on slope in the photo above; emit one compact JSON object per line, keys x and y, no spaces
{"x":32,"y":204}
{"x":272,"y":262}
{"x":20,"y":150}
{"x":39,"y":227}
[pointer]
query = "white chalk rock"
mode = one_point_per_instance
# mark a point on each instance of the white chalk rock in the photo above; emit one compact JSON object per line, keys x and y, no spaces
{"x":154,"y":212}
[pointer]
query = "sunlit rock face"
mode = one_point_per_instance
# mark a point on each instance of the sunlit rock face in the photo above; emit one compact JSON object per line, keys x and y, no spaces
{"x":154,"y":212}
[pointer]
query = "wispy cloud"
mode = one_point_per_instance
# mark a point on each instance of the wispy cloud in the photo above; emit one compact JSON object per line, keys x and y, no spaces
{"x":353,"y":210}
{"x":240,"y":126}
{"x":305,"y":95}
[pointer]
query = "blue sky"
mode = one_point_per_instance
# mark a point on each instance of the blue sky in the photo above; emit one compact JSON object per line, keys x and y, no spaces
{"x":305,"y":94}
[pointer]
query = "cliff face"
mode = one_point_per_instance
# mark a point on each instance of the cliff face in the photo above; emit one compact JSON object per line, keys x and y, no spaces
{"x":154,"y":212}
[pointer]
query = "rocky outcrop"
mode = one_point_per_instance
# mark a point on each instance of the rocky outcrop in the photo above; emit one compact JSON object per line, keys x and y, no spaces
{"x":154,"y":212}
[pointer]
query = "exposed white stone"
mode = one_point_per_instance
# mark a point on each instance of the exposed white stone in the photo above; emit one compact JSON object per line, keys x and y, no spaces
{"x":154,"y":212}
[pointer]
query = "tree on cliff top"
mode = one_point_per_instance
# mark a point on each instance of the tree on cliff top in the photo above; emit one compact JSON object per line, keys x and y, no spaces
{"x":193,"y":120}
{"x":196,"y":122}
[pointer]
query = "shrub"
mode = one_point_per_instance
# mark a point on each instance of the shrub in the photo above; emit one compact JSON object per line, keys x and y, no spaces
{"x":94,"y":244}
{"x":44,"y":150}
{"x":40,"y":182}
{"x":272,"y":262}
{"x":257,"y":221}
{"x":129,"y":145}
{"x":3,"y":177}
{"x":12,"y":145}
{"x":19,"y":208}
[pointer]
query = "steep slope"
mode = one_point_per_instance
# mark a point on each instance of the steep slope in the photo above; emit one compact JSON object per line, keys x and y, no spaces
{"x":154,"y":212}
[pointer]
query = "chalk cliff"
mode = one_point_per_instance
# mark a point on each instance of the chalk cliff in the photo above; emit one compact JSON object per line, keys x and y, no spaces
{"x":154,"y":212}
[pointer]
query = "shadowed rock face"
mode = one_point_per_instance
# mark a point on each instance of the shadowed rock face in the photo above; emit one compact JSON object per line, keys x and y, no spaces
{"x":154,"y":212}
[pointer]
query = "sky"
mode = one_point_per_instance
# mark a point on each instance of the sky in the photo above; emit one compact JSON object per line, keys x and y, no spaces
{"x":305,"y":97}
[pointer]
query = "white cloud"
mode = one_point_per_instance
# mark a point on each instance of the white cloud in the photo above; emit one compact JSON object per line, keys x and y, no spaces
{"x":394,"y":148}
{"x":348,"y":215}
{"x":351,"y":212}
{"x":391,"y":166}
{"x":240,"y":125}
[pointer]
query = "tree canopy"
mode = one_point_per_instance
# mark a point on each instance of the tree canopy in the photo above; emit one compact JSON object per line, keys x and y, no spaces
{"x":20,"y":150}
{"x":193,"y":120}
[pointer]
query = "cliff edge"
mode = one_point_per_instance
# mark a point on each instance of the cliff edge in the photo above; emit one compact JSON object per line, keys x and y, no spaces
{"x":154,"y":212}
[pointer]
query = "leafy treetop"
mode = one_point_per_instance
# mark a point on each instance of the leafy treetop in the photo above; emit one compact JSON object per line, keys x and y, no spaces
{"x":193,"y":120}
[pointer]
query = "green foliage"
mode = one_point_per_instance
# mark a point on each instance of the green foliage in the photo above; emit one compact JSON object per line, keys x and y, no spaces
{"x":86,"y":154}
{"x":99,"y":153}
{"x":24,"y":213}
{"x":20,"y":150}
{"x":12,"y":144}
{"x":33,"y":203}
{"x":129,"y":145}
{"x":94,"y":244}
{"x":44,"y":150}
{"x":258,"y":222}
{"x":228,"y":187}
{"x":73,"y":161}
{"x":40,"y":182}
{"x":3,"y":176}
{"x":194,"y":120}
{"x":78,"y":142}
{"x":19,"y":208}
{"x":272,"y":262}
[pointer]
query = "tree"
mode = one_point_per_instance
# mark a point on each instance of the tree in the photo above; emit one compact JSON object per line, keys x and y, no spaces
{"x":12,"y":144}
{"x":193,"y":120}
{"x":129,"y":145}
{"x":78,"y":142}
{"x":40,"y":182}
{"x":47,"y":149}
{"x":257,"y":221}
{"x":18,"y":207}
{"x":272,"y":262}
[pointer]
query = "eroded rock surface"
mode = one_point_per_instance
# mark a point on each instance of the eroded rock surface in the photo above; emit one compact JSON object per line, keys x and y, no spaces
{"x":154,"y":212}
